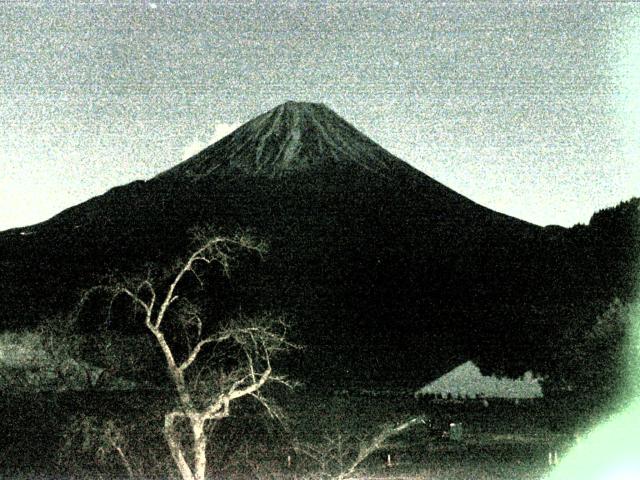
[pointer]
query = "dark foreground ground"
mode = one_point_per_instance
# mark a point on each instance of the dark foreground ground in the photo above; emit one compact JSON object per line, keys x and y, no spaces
{"x":74,"y":436}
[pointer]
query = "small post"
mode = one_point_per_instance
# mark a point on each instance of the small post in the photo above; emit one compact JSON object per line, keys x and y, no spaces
{"x":288,"y":461}
{"x":388,"y":462}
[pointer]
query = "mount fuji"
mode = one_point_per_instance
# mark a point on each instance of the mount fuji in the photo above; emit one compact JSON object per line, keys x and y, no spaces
{"x":386,"y":274}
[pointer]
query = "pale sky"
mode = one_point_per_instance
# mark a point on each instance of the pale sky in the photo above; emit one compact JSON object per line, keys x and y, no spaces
{"x":529,"y":108}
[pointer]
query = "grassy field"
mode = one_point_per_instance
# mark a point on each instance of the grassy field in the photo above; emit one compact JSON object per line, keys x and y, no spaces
{"x":45,"y":436}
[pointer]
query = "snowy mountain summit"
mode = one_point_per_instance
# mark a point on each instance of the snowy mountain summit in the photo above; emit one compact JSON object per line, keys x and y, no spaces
{"x":292,"y":137}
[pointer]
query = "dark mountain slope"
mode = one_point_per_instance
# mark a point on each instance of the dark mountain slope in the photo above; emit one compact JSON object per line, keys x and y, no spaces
{"x":387,"y":273}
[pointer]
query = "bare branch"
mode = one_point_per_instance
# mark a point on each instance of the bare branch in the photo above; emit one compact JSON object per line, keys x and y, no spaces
{"x":146,"y":284}
{"x":138,"y":301}
{"x":271,"y":409}
{"x":212,"y":250}
{"x":195,"y":352}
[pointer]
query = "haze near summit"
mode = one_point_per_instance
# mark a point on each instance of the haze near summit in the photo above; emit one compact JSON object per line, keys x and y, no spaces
{"x":529,"y":109}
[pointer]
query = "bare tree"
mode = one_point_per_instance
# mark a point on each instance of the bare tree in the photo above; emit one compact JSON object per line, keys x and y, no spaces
{"x":337,"y":456}
{"x":97,"y":438}
{"x":376,"y":443}
{"x":205,"y":394}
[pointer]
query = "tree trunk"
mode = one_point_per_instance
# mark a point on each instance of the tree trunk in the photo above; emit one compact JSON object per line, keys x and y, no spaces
{"x":199,"y":447}
{"x":173,"y":441}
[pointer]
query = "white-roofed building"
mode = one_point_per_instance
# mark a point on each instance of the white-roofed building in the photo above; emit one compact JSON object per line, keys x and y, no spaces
{"x":467,"y":381}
